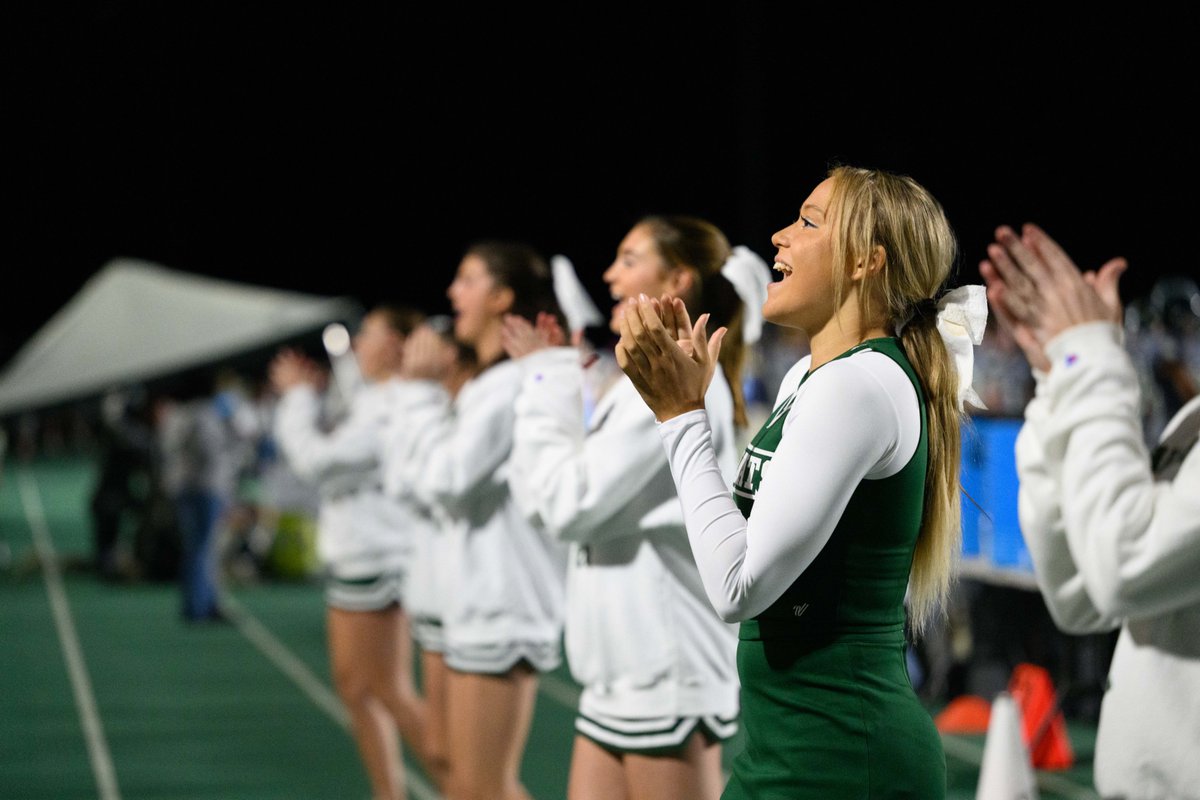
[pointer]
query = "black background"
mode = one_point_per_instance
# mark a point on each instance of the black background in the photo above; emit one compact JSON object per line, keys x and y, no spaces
{"x":357,"y":150}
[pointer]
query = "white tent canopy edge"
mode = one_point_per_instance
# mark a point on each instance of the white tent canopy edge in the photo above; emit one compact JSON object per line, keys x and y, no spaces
{"x":137,"y":321}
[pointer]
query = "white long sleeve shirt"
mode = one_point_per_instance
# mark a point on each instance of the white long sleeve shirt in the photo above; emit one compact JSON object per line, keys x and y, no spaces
{"x":640,"y":634}
{"x":1114,"y":535}
{"x":360,"y":532}
{"x":504,"y":578}
{"x":856,"y":418}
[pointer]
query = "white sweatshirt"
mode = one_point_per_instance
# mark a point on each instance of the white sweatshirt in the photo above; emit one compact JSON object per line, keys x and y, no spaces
{"x":360,"y":532}
{"x":641,"y":636}
{"x":504,"y":578}
{"x":1115,"y":542}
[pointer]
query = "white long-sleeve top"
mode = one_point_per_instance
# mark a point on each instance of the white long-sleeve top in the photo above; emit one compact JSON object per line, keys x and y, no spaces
{"x":504,"y":578}
{"x":640,"y":634}
{"x":856,"y":418}
{"x":360,"y":532}
{"x":1114,"y":534}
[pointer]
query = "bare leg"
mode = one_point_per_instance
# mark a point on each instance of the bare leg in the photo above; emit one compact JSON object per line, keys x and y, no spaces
{"x":596,"y":773}
{"x":437,"y":749}
{"x":393,"y":681}
{"x":372,"y":667}
{"x":489,"y":718}
{"x":694,"y":773}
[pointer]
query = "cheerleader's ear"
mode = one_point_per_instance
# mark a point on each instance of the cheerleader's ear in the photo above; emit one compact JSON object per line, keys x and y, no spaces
{"x":501,"y":299}
{"x":874,"y":265}
{"x":681,"y":281}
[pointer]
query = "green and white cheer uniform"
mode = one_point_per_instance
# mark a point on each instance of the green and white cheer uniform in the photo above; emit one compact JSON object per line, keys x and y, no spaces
{"x":655,"y":661}
{"x":503,"y":581}
{"x":364,"y":538}
{"x":428,"y":577}
{"x":812,"y":553}
{"x":1114,"y":533}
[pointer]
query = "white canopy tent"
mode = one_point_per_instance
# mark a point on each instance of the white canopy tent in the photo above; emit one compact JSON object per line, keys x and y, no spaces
{"x":136,"y":321}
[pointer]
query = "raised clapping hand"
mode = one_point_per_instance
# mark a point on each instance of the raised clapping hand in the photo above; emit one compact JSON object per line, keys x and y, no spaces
{"x":1037,"y":292}
{"x":427,"y":355}
{"x":670,"y":360}
{"x":520,"y":338}
{"x":291,"y":368}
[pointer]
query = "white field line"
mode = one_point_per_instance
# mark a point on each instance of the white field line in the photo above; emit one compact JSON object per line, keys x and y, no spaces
{"x":81,"y":684}
{"x":560,"y":691}
{"x":320,"y":694}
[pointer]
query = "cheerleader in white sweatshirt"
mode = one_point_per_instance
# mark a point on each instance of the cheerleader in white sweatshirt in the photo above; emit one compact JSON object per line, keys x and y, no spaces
{"x":363,"y":541}
{"x":656,"y":662}
{"x":1113,"y":530}
{"x":502,"y":614}
{"x":425,"y":587}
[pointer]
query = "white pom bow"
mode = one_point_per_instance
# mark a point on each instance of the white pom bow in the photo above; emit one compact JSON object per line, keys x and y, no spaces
{"x":961,"y":320}
{"x":749,"y":275}
{"x":573,"y":299}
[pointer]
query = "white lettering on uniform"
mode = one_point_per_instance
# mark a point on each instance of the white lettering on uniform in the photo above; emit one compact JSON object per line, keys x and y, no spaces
{"x":741,"y":472}
{"x":755,"y":466}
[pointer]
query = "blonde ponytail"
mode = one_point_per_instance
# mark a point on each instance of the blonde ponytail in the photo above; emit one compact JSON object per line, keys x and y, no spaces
{"x":880,"y":209}
{"x":939,"y":542}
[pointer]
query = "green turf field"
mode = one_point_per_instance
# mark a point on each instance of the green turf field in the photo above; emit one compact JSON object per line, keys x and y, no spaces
{"x":106,"y":693}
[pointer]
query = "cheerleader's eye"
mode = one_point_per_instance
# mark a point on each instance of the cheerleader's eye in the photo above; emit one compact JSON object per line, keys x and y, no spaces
{"x":808,"y":223}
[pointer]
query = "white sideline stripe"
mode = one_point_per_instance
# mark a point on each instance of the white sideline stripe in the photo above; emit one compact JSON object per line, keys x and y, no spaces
{"x":321,"y":695}
{"x":972,"y":753}
{"x":562,"y":692}
{"x":278,"y":654}
{"x":81,"y":684}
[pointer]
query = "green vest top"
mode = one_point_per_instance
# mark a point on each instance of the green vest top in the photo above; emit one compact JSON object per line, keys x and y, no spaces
{"x":858,"y":580}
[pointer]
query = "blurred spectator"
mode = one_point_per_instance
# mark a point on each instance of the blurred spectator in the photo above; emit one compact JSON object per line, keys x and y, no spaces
{"x":5,"y":549}
{"x":205,"y":442}
{"x":26,"y":437}
{"x":126,"y":456}
{"x":1163,"y":338}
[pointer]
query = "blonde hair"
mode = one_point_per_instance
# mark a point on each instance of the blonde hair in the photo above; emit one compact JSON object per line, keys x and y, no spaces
{"x":876,"y":209}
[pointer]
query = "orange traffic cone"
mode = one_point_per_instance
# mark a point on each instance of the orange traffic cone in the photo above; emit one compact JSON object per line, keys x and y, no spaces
{"x":965,"y":714}
{"x":1005,"y":773}
{"x":1042,"y":723}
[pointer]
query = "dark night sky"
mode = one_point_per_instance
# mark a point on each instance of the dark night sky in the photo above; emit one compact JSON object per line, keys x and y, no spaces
{"x":359,"y":152}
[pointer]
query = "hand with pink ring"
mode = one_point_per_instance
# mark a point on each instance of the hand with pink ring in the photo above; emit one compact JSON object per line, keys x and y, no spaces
{"x":1037,"y":291}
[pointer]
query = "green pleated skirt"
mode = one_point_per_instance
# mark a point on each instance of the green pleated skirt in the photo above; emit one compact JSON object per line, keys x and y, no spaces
{"x":836,"y":721}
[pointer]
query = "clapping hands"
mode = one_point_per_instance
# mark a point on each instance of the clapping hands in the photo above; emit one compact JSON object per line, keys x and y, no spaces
{"x":1037,"y":291}
{"x":520,"y":338}
{"x":291,"y":368}
{"x":670,"y":360}
{"x":427,"y":355}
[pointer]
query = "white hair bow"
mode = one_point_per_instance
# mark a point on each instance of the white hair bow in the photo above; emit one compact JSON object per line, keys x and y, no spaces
{"x":749,"y":275}
{"x":573,"y":299}
{"x":961,"y":319}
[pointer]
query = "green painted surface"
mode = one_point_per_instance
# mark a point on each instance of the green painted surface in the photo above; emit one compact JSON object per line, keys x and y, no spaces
{"x":198,"y":711}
